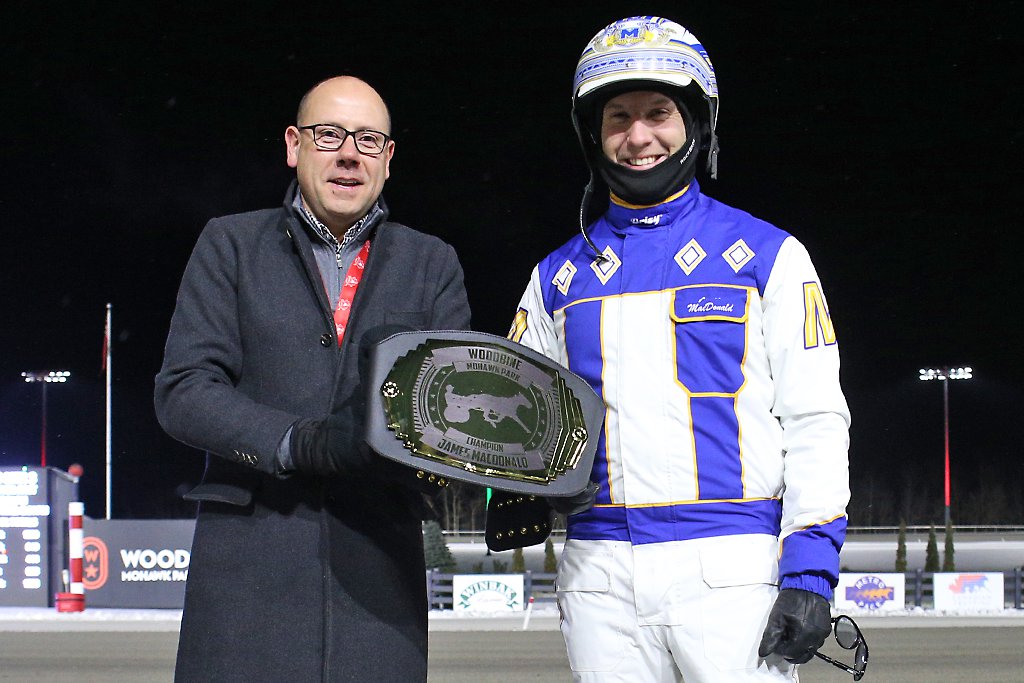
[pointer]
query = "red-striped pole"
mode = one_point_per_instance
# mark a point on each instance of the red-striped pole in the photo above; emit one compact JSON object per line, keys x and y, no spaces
{"x":74,"y":601}
{"x":75,"y":513}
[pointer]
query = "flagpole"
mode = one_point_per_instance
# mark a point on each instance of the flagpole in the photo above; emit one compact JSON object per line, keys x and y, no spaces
{"x":106,"y":363}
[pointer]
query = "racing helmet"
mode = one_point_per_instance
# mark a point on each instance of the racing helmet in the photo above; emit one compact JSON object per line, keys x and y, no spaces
{"x":644,"y":53}
{"x":639,"y":52}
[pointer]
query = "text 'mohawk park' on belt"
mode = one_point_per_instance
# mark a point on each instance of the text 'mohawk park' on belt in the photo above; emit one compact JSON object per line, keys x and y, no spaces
{"x":479,"y":408}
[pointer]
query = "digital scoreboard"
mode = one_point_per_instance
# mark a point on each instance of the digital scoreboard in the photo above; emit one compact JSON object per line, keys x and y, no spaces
{"x":32,"y":544}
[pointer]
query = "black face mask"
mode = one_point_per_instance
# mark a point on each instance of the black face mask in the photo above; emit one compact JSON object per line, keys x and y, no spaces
{"x":655,"y":184}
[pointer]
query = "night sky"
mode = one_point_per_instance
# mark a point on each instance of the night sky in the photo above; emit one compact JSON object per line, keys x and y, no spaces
{"x":885,"y":136}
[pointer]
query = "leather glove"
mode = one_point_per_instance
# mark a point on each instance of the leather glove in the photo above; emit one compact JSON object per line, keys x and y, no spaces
{"x":328,"y":448}
{"x":571,"y":505}
{"x":797,"y":626}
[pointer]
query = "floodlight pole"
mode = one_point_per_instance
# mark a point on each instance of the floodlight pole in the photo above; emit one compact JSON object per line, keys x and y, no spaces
{"x":44,"y":378}
{"x":944,"y":374}
{"x":945,"y":434}
{"x":42,"y":431}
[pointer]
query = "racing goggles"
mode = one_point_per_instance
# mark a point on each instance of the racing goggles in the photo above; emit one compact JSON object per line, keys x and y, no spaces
{"x":849,"y":637}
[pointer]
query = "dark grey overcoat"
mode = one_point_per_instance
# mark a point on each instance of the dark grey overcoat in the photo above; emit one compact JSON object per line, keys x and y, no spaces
{"x":294,"y":578}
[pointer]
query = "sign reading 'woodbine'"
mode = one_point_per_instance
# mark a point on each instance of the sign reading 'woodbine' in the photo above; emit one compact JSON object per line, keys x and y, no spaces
{"x":136,"y":563}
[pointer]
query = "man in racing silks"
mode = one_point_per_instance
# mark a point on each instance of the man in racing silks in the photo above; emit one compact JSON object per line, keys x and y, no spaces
{"x":711,"y":548}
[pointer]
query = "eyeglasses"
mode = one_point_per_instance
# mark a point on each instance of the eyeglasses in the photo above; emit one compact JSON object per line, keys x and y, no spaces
{"x":848,"y":636}
{"x":330,"y":138}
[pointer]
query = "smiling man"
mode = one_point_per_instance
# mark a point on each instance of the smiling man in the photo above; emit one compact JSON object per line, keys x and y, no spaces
{"x":707,"y":548}
{"x":307,"y":562}
{"x":340,"y":188}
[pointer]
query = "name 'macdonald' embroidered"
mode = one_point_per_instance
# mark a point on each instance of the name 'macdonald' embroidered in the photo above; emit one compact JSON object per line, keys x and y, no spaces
{"x":703,"y":305}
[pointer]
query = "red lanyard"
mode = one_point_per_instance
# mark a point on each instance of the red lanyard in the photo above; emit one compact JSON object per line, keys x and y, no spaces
{"x":348,"y":291}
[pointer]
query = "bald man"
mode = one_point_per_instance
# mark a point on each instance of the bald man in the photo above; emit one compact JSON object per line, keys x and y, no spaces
{"x":307,"y":560}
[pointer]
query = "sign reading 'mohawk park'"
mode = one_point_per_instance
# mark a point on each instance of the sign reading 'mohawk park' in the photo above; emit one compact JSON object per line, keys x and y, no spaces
{"x":479,"y":408}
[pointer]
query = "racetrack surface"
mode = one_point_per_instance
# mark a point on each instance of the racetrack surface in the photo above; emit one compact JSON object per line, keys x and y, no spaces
{"x":108,"y":649}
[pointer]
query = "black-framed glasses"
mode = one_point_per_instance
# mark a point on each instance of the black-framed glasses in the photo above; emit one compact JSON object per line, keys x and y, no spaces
{"x":849,"y":637}
{"x":330,"y":138}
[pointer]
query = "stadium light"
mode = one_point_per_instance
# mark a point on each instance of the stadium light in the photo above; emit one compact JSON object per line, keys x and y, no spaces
{"x":45,"y":378}
{"x":944,"y":374}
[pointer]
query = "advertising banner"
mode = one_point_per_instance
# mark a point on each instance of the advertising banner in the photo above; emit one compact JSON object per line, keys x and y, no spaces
{"x":880,"y":592}
{"x":136,"y":563}
{"x":487,"y":592}
{"x":974,"y":592}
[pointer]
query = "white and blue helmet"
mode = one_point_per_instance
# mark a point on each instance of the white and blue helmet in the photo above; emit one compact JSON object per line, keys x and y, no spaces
{"x":639,"y":52}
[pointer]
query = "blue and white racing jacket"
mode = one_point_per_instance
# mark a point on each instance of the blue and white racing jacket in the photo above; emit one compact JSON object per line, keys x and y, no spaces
{"x":707,"y":333}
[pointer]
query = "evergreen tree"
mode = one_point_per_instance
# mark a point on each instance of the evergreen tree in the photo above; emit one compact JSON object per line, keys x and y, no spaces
{"x":931,"y":555}
{"x":436,"y":553}
{"x":550,"y":562}
{"x":901,"y":549}
{"x":948,"y":563}
{"x":518,"y":561}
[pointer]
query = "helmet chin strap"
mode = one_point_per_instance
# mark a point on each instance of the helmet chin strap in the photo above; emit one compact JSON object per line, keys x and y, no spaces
{"x":588,"y":192}
{"x":652,"y":185}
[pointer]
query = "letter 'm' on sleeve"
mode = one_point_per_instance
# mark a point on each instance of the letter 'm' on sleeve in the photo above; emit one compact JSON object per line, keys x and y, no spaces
{"x":816,"y":318}
{"x":519,"y":325}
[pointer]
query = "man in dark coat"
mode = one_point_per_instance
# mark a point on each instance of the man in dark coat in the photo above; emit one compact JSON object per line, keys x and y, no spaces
{"x":307,"y":562}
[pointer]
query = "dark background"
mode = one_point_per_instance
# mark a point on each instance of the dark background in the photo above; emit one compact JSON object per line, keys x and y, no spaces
{"x":885,"y":136}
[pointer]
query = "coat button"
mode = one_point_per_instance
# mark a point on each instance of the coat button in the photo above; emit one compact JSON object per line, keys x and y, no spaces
{"x":325,"y":339}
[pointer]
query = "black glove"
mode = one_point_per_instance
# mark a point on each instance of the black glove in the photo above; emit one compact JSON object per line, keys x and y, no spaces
{"x":328,"y":448}
{"x":571,"y":505}
{"x":797,"y":626}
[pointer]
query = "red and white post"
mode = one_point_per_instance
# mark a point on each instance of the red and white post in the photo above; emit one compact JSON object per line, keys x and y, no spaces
{"x":74,"y":599}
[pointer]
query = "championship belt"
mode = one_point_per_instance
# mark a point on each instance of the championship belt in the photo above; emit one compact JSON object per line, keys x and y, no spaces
{"x":479,"y":408}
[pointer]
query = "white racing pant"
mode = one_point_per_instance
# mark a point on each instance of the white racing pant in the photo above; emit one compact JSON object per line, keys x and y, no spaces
{"x":690,"y":611}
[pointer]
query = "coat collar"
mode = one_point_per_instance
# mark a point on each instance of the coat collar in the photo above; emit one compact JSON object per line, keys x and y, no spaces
{"x":364,"y":228}
{"x":626,"y":218}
